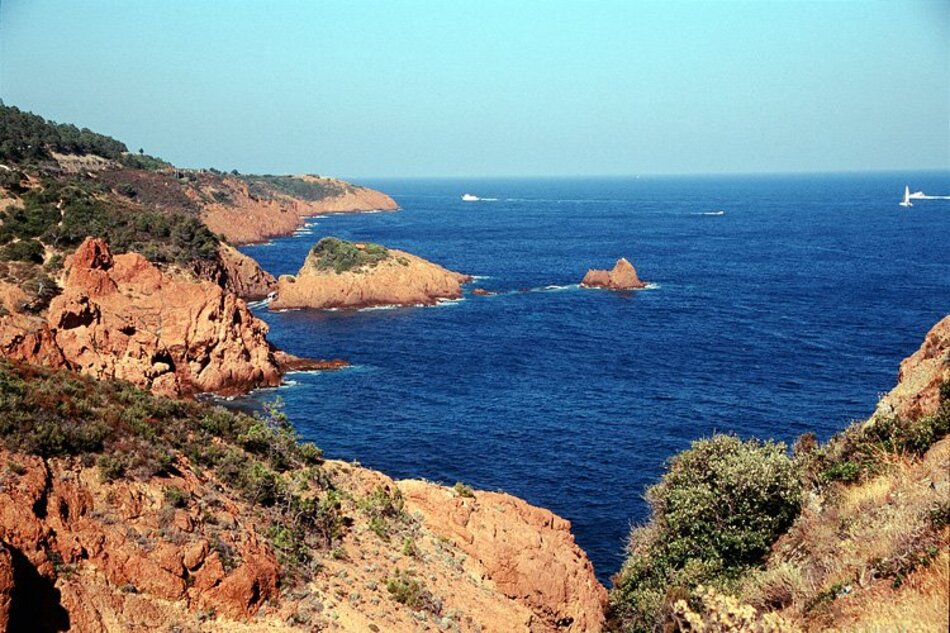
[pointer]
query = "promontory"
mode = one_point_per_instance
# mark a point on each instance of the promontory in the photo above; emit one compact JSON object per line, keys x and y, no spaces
{"x":342,"y":274}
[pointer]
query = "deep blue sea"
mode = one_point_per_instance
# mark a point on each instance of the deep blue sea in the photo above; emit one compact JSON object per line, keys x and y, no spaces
{"x":787,"y":313}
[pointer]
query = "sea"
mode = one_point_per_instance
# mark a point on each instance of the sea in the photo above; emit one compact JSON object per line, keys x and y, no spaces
{"x":777,"y":305}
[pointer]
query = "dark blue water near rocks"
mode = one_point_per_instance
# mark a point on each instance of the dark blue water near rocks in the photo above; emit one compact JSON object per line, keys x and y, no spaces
{"x":789,"y":312}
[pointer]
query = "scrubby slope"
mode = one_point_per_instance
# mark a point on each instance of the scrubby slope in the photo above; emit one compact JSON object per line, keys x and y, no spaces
{"x":852,"y":535}
{"x":120,"y":511}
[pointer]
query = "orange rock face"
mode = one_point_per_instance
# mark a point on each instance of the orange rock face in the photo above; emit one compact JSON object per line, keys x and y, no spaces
{"x":6,"y":586}
{"x":527,"y":553}
{"x":245,"y":219}
{"x":125,"y":560}
{"x":622,"y":277}
{"x":917,"y":392}
{"x":401,"y":279}
{"x":243,"y":276}
{"x":121,"y":317}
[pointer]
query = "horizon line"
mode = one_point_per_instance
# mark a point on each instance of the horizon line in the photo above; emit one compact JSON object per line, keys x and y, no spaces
{"x":730,"y":174}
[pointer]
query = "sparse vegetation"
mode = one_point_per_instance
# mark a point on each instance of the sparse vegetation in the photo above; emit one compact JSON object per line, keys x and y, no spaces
{"x":332,"y":253}
{"x":312,"y":189}
{"x":406,"y":589}
{"x":461,"y":490}
{"x":384,"y":508}
{"x":130,"y":433}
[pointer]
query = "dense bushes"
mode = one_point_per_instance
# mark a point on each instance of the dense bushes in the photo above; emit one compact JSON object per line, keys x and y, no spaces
{"x":714,"y":515}
{"x":27,"y":137}
{"x":62,"y":214}
{"x":24,"y":251}
{"x":332,"y":253}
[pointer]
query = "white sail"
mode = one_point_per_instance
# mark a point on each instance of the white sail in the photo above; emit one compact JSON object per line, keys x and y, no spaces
{"x":906,"y":201}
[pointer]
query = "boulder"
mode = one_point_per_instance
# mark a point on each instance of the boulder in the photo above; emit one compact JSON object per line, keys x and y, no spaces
{"x":622,"y":277}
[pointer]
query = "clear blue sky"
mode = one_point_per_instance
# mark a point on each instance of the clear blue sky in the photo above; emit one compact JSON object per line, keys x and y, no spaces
{"x":486,"y":88}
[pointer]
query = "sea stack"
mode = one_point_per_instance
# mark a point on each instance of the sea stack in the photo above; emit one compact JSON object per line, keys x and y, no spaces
{"x":622,"y":277}
{"x":342,"y":274}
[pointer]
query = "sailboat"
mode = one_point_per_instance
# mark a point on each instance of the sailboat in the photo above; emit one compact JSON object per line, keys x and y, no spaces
{"x":906,"y":201}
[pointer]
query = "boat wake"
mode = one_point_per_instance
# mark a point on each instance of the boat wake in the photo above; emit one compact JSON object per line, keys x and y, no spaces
{"x":468,"y":197}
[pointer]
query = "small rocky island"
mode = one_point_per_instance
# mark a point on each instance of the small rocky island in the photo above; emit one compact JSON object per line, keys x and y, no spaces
{"x":622,"y":277}
{"x":342,"y":274}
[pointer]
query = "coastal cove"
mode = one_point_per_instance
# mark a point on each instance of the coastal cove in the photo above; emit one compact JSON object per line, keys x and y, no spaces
{"x":787,"y":312}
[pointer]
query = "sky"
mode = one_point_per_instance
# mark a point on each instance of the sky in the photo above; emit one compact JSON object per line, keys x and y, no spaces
{"x":490,"y":88}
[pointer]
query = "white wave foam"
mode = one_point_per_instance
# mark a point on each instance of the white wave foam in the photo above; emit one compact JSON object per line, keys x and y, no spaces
{"x":480,"y":277}
{"x":253,"y":305}
{"x":653,"y":286}
{"x":714,"y":213}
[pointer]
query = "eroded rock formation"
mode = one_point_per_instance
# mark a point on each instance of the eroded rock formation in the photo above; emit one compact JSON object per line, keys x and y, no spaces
{"x":243,"y":276}
{"x":623,"y":276}
{"x":121,"y":317}
{"x":103,"y":540}
{"x":400,"y":279}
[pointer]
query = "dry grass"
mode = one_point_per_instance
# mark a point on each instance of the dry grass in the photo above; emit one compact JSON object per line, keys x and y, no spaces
{"x":866,"y":557}
{"x":921,"y":604}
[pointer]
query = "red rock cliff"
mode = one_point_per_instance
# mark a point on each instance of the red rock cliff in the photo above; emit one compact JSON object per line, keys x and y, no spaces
{"x":123,"y":318}
{"x":246,"y":219}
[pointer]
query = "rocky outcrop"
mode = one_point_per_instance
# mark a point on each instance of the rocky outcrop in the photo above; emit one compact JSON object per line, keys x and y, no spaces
{"x":527,"y":553}
{"x":243,"y":276}
{"x":122,"y":318}
{"x":400,"y":279}
{"x":921,"y":374}
{"x":244,"y":218}
{"x":622,"y":277}
{"x":125,"y":558}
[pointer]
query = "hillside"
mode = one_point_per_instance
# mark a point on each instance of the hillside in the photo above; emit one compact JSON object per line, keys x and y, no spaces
{"x":120,"y":511}
{"x":852,"y":535}
{"x":173,"y":321}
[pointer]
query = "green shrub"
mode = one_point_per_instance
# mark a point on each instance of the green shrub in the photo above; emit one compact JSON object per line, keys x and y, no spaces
{"x":462,"y":490}
{"x":268,"y":186}
{"x":332,"y":253}
{"x":714,"y":515}
{"x":176,"y":497}
{"x":383,"y":508}
{"x":110,"y":468}
{"x":144,"y":161}
{"x":24,"y":251}
{"x":405,"y":589}
{"x":856,"y":453}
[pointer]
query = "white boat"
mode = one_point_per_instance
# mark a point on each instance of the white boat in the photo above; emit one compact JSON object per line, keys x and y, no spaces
{"x":918,"y":195}
{"x":467,"y":197}
{"x":906,"y":201}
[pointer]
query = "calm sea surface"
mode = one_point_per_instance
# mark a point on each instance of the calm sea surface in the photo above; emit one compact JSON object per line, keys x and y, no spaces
{"x":788,"y":312}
